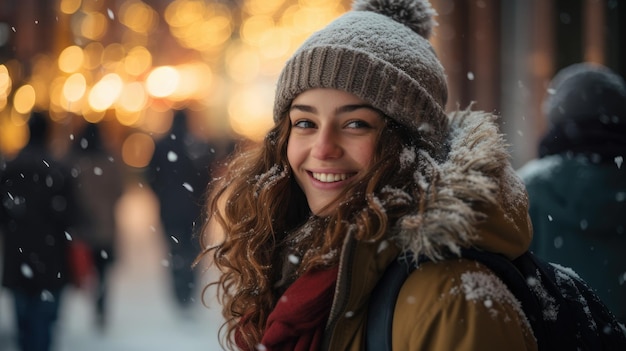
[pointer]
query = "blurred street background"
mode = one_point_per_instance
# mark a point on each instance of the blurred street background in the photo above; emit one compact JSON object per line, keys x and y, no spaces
{"x":143,"y":314}
{"x":129,"y":66}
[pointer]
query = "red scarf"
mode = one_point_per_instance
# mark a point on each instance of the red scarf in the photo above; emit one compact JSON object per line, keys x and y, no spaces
{"x":298,"y":319}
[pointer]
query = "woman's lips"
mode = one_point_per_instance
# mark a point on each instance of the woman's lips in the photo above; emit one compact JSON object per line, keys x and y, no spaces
{"x":330,"y":177}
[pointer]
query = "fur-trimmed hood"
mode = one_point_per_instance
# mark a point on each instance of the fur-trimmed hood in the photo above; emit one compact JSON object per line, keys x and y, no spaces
{"x":473,"y":196}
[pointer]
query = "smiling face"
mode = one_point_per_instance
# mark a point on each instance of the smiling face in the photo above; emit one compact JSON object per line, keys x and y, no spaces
{"x":332,"y":139}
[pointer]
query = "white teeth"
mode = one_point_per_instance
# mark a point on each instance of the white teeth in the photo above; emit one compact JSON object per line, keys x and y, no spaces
{"x":330,"y":177}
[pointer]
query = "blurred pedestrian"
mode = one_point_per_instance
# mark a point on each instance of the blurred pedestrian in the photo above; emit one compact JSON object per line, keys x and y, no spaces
{"x":577,"y":185}
{"x":178,"y":174}
{"x":99,"y":186}
{"x":36,"y":212}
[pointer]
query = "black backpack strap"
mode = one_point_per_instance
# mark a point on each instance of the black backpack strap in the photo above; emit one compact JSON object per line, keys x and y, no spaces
{"x":382,"y":304}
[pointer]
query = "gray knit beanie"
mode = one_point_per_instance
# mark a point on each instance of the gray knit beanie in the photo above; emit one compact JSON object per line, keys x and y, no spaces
{"x":585,"y":92}
{"x":379,"y":52}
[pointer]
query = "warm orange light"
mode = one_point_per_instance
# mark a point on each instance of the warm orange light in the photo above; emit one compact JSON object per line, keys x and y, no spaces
{"x":105,"y":92}
{"x":24,"y":99}
{"x":162,"y":81}
{"x":242,"y":63}
{"x":13,"y":136}
{"x":138,"y":16}
{"x":113,"y":55}
{"x":71,"y":59}
{"x":274,"y":43}
{"x":261,"y":7}
{"x":157,"y":122}
{"x":253,"y":28}
{"x":137,"y":61}
{"x":69,"y":7}
{"x":92,"y":116}
{"x":5,"y":81}
{"x":128,"y":118}
{"x":137,"y":150}
{"x":74,"y":87}
{"x":180,"y":13}
{"x":133,"y":97}
{"x":195,"y":82}
{"x":250,"y":111}
{"x":93,"y":25}
{"x":199,"y":25}
{"x":5,"y":86}
{"x":93,"y":55}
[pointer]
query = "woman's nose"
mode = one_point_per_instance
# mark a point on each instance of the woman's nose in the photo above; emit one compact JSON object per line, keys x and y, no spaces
{"x":326,"y":145}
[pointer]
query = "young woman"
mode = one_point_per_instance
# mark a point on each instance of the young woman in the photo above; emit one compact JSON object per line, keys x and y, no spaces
{"x":363,"y":165}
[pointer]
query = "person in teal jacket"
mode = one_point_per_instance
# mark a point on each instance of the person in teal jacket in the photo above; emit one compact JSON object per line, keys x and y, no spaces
{"x":577,"y":186}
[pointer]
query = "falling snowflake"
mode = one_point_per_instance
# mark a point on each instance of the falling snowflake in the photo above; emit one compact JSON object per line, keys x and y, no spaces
{"x":172,"y":156}
{"x":26,"y":271}
{"x":382,"y":246}
{"x":47,"y":296}
{"x":558,"y":242}
{"x":294,"y":259}
{"x":618,"y":161}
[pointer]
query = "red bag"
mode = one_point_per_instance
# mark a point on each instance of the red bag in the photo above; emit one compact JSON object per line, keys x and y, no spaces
{"x":80,"y":262}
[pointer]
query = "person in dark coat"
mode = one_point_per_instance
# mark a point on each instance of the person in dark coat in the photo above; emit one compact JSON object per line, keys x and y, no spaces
{"x":99,"y":187}
{"x":178,"y":174}
{"x":36,"y":212}
{"x":577,"y":186}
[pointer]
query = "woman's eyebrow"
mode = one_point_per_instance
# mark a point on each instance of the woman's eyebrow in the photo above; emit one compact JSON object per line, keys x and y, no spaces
{"x":354,"y":107}
{"x":338,"y":110}
{"x":304,"y":108}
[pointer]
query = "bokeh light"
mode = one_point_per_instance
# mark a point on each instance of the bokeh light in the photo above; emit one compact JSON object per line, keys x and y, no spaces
{"x":137,"y":61}
{"x":105,"y":92}
{"x":162,"y":81}
{"x":69,"y":6}
{"x":74,"y":87}
{"x":137,"y":150}
{"x":138,"y":16}
{"x":5,"y":86}
{"x":24,"y":99}
{"x":132,"y":62}
{"x":71,"y":59}
{"x":250,"y":110}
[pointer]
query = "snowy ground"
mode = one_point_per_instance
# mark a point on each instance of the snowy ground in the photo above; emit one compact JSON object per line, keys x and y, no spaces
{"x":143,"y":315}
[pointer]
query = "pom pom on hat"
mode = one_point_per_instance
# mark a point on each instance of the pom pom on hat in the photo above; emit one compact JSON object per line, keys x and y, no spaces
{"x":415,"y":14}
{"x":379,"y":52}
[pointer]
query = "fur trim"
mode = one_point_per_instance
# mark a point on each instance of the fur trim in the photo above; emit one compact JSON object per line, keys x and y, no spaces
{"x":474,"y":174}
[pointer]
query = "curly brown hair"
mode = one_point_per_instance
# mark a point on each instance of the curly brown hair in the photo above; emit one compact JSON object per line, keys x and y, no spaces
{"x":265,"y":218}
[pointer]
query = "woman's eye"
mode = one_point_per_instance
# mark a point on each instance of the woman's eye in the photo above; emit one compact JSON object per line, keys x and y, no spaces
{"x":358,"y":124}
{"x":304,"y":124}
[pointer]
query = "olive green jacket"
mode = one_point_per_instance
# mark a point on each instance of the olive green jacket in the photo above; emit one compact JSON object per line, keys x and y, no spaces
{"x":446,"y":304}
